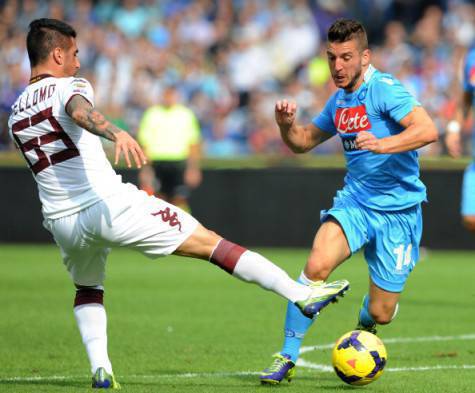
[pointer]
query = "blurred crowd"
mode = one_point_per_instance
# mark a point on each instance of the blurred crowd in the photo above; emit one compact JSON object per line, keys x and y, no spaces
{"x":232,"y":59}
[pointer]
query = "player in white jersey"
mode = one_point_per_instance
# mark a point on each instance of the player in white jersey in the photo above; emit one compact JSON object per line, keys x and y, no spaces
{"x":88,"y":209}
{"x":69,"y":164}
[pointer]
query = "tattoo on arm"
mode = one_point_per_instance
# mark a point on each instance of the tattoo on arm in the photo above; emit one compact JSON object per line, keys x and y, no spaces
{"x":89,"y":118}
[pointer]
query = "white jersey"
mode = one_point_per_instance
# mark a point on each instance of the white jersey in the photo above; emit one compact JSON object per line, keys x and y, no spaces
{"x":68,"y":162}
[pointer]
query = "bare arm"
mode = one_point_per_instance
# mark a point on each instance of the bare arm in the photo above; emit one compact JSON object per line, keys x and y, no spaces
{"x":299,"y":138}
{"x":89,"y":118}
{"x":419,"y":130}
{"x":452,"y":136}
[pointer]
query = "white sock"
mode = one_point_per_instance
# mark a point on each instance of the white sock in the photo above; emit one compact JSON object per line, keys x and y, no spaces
{"x":305,"y":280}
{"x":92,"y":322}
{"x":252,"y":267}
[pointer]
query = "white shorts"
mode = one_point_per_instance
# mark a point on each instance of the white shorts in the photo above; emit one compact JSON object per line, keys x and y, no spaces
{"x":130,"y":219}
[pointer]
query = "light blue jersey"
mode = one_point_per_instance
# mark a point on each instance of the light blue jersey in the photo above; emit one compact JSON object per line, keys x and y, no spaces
{"x":468,"y":188}
{"x":379,"y":208}
{"x":469,"y":83}
{"x":387,"y":182}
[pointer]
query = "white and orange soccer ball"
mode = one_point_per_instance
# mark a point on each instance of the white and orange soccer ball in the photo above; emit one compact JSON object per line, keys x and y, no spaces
{"x":359,"y":357}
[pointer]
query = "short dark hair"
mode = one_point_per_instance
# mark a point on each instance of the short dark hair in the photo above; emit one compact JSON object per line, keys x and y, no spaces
{"x":45,"y":35}
{"x":345,"y":30}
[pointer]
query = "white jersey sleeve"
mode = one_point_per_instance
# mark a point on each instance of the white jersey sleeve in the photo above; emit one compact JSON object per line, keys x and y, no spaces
{"x":67,"y":161}
{"x":78,"y":86}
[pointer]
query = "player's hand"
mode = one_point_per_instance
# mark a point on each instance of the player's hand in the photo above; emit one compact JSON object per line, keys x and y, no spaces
{"x":454,"y":147}
{"x":125,"y":144}
{"x":285,"y":113}
{"x":367,"y":141}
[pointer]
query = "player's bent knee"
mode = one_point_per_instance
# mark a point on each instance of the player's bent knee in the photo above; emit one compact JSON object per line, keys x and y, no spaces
{"x":469,"y":223}
{"x":382,"y":315}
{"x":381,"y":319}
{"x":318,"y":268}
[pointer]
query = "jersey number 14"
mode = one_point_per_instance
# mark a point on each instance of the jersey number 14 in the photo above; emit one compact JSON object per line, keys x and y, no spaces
{"x":403,"y":255}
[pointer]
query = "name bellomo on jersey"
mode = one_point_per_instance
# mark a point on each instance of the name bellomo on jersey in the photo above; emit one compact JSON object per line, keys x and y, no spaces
{"x":387,"y":182}
{"x":68,"y":162}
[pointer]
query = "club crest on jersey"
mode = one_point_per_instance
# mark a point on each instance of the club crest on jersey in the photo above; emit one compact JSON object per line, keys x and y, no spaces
{"x":353,"y":119}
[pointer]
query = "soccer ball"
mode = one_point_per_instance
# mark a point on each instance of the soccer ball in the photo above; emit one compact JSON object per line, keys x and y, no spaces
{"x":359,"y":357}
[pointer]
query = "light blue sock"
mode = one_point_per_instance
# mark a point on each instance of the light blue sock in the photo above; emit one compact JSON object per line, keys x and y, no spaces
{"x":296,"y":325}
{"x":365,"y":317}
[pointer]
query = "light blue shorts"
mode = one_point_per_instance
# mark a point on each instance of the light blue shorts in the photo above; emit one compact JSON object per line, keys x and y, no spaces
{"x":390,"y":239}
{"x":468,"y":191}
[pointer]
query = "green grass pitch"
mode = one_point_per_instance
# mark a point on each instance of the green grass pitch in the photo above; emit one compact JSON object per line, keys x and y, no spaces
{"x":179,"y":325}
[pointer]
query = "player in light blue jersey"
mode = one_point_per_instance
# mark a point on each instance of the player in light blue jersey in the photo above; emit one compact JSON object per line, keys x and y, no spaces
{"x":453,"y":142}
{"x":379,"y":208}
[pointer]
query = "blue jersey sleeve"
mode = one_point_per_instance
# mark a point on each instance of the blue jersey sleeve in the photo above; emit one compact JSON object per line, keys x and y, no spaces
{"x":324,"y":121}
{"x":390,"y":98}
{"x":469,"y":72}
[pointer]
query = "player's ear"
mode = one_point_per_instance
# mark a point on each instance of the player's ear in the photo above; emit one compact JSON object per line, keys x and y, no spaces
{"x":365,"y":57}
{"x":58,"y":55}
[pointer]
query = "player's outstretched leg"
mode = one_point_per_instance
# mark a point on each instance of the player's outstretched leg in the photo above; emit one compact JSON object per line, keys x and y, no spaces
{"x":248,"y":266}
{"x":252,"y":267}
{"x":296,"y":325}
{"x":92,"y":323}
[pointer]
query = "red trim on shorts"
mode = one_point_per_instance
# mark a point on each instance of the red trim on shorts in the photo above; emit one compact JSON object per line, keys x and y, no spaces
{"x":226,"y":255}
{"x":88,"y":295}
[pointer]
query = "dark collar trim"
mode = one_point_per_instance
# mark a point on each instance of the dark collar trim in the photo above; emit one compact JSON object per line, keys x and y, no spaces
{"x":39,"y":77}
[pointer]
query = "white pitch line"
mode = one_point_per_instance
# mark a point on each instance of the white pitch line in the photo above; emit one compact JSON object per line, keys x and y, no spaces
{"x":396,"y":340}
{"x":300,"y":362}
{"x":199,"y":375}
{"x":38,"y":378}
{"x":132,"y":376}
{"x":317,"y":367}
{"x":324,"y":368}
{"x":436,"y":367}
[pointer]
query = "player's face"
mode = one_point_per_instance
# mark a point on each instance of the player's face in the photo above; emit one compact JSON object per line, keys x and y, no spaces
{"x":170,"y":96}
{"x":347,"y":64}
{"x":71,"y":63}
